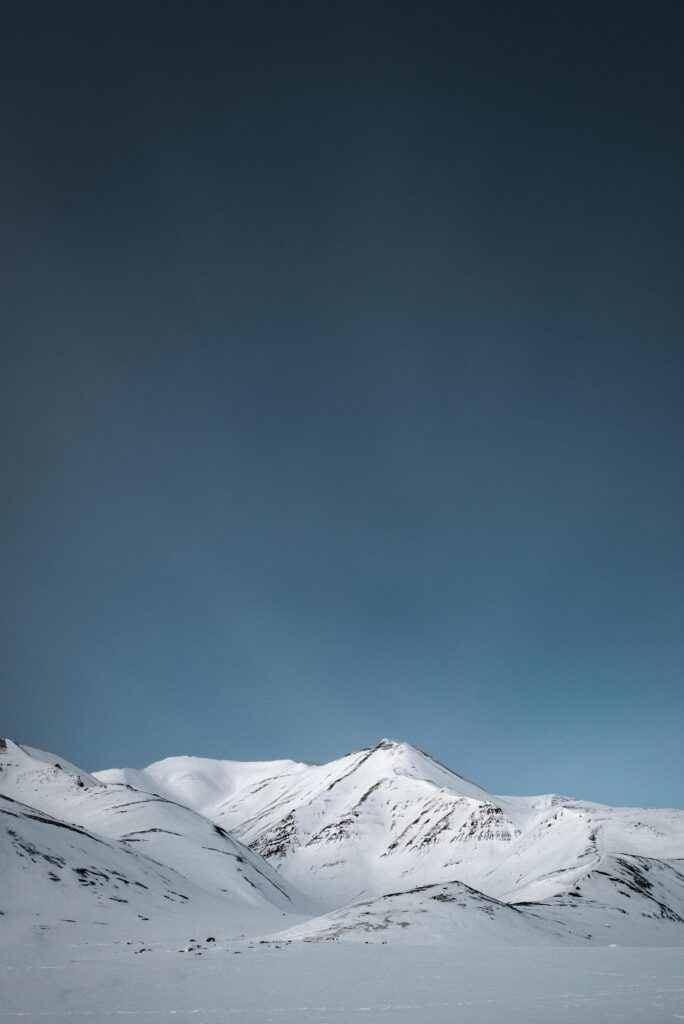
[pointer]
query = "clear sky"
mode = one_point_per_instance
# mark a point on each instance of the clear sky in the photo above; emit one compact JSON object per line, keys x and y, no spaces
{"x":342,"y":385}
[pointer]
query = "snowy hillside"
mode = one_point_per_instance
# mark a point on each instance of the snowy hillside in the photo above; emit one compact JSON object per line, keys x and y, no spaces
{"x":451,"y":913}
{"x":186,"y":853}
{"x":390,"y":818}
{"x":625,"y":900}
{"x":54,"y":873}
{"x":384,"y":845}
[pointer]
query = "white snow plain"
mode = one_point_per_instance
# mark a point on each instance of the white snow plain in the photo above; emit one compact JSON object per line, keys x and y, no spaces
{"x":337,"y":983}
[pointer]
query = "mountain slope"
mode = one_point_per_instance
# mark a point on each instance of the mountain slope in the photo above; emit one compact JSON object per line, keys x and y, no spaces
{"x":204,"y":856}
{"x":450,"y":913}
{"x":625,"y":900}
{"x":53,"y":871}
{"x":390,"y":818}
{"x":382,"y":844}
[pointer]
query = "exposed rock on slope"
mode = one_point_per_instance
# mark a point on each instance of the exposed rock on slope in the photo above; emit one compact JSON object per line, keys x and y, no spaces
{"x":447,"y":913}
{"x":390,"y":818}
{"x":148,"y":830}
{"x":384,"y":843}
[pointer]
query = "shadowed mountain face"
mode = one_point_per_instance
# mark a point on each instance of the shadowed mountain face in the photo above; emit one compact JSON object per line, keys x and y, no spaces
{"x":183,"y":852}
{"x":384,"y":844}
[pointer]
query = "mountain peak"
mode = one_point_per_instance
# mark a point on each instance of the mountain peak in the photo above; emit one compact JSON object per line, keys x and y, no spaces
{"x":401,"y":748}
{"x":388,"y":744}
{"x":400,"y":753}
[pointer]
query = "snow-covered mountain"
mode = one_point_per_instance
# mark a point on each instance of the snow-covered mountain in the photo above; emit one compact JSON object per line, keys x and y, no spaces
{"x":626,"y":900}
{"x":381,"y":845}
{"x":431,"y":914}
{"x":119,"y":845}
{"x":391,"y":818}
{"x":54,"y":872}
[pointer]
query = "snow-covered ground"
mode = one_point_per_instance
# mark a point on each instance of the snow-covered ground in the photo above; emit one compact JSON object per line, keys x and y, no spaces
{"x":336,"y":982}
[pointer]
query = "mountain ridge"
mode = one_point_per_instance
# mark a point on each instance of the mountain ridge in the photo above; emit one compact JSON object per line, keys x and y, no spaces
{"x":391,"y":814}
{"x":356,"y":847}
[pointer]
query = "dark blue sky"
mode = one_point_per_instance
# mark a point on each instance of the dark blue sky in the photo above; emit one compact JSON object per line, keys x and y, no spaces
{"x":342,"y":386}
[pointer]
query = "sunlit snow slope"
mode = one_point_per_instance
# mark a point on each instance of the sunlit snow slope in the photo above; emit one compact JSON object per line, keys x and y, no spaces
{"x":384,"y":844}
{"x":391,"y":818}
{"x":108,"y":828}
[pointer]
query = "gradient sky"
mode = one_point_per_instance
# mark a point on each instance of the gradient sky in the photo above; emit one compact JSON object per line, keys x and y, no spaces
{"x":343,"y":386}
